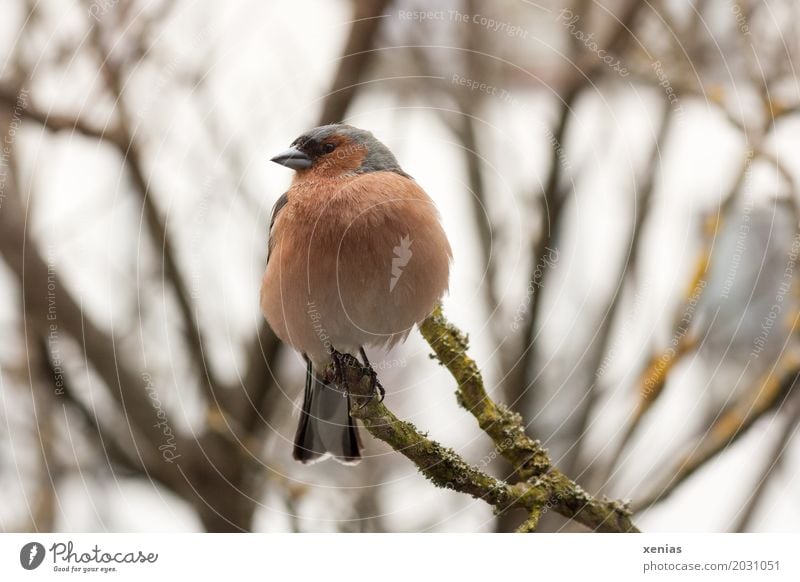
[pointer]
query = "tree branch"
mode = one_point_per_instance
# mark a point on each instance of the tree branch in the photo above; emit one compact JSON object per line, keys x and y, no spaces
{"x":541,"y":485}
{"x":58,"y":314}
{"x":16,"y":99}
{"x":355,"y":59}
{"x":131,"y":152}
{"x":791,"y":421}
{"x":653,"y":379}
{"x":603,"y":335}
{"x":774,"y":391}
{"x":520,"y":370}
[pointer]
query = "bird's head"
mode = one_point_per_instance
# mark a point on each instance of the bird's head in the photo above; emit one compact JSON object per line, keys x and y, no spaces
{"x":337,"y":150}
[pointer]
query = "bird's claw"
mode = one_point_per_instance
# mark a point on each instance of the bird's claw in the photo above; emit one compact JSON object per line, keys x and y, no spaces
{"x":341,"y":362}
{"x":375,"y":386}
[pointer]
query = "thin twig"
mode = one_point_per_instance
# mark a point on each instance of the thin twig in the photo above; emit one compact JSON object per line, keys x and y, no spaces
{"x":521,"y":375}
{"x":774,"y":392}
{"x":629,"y":267}
{"x":14,"y":97}
{"x":774,"y":459}
{"x":162,"y":239}
{"x":653,"y":379}
{"x":355,"y":59}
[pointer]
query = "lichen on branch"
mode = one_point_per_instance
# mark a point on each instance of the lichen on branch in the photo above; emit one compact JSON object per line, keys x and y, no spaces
{"x":540,"y":486}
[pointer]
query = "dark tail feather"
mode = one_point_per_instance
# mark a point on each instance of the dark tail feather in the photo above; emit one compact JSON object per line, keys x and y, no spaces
{"x":325,"y":426}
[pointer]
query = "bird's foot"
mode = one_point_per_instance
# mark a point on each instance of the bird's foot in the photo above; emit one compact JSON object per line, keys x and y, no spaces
{"x":375,"y":385}
{"x":341,"y":362}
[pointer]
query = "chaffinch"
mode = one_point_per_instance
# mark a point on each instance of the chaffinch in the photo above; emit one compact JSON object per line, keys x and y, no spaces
{"x":356,"y":257}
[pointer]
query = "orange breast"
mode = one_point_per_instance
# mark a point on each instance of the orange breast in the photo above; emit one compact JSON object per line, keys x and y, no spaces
{"x":358,"y":261}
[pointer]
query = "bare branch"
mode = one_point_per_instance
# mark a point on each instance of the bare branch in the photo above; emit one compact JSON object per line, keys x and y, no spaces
{"x":773,"y":392}
{"x":656,"y":373}
{"x":520,"y":370}
{"x":603,"y":335}
{"x":541,"y":484}
{"x":355,"y":59}
{"x":132,"y":154}
{"x":13,"y":98}
{"x":791,"y":420}
{"x":40,"y":284}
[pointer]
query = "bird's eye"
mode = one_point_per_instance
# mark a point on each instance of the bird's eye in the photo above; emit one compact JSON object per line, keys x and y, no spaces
{"x":328,"y":147}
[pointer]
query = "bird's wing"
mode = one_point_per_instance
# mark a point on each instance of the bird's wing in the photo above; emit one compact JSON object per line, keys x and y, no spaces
{"x":279,"y":204}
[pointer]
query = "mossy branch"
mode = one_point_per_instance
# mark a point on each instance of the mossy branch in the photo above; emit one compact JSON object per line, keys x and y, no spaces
{"x":441,"y":465}
{"x":504,"y":426}
{"x":541,"y":486}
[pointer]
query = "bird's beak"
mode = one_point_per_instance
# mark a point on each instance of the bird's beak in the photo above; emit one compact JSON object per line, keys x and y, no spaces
{"x":293,"y":158}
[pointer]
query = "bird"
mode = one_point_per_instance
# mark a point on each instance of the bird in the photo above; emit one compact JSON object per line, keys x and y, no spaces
{"x":356,"y":257}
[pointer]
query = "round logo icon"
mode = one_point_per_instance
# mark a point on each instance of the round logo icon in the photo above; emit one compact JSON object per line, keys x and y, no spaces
{"x":31,"y":555}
